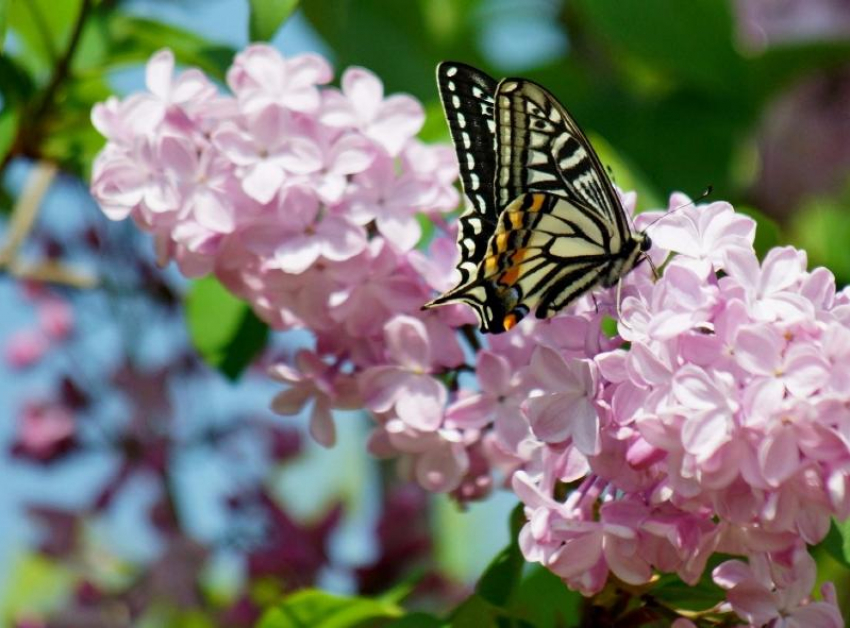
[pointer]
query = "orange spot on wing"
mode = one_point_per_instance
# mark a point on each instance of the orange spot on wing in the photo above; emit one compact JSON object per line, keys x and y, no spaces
{"x":516,"y":219}
{"x":536,"y":203}
{"x":502,"y":242}
{"x":509,"y":321}
{"x":510,"y":277}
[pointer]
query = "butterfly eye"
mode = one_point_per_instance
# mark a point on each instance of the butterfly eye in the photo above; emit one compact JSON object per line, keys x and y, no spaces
{"x":646,"y":243}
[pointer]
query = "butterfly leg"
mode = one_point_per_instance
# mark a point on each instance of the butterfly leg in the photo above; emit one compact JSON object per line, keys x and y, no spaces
{"x":655,"y":274}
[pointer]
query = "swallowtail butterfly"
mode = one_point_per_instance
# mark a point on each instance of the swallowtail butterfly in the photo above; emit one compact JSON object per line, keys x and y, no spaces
{"x":543,"y":223}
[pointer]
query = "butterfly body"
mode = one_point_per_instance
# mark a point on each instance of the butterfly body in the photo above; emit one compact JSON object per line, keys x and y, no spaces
{"x":543,"y":223}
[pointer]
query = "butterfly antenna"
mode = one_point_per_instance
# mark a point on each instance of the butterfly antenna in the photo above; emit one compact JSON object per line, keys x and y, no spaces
{"x":705,"y":193}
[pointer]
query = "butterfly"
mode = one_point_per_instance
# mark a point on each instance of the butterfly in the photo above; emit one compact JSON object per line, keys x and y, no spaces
{"x":543,"y":223}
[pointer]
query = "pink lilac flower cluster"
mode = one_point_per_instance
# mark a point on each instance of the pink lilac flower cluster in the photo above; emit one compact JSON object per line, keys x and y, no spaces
{"x":716,"y":420}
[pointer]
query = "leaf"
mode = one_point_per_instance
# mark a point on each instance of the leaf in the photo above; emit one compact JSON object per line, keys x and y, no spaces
{"x":695,"y":47}
{"x":677,"y":595}
{"x":223,"y":329}
{"x":134,"y":40}
{"x":545,"y":601}
{"x":4,"y":18}
{"x":837,"y":542}
{"x":476,"y":612}
{"x":9,"y":119}
{"x":502,"y":576}
{"x":417,"y":620}
{"x":361,"y":32}
{"x":43,"y":28}
{"x":316,"y":609}
{"x":267,"y":16}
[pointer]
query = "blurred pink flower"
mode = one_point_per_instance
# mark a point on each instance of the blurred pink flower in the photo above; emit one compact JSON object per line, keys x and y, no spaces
{"x":46,"y":432}
{"x":26,"y":347}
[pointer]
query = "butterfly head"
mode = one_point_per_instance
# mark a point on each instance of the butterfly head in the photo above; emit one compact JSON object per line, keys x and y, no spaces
{"x":644,"y":242}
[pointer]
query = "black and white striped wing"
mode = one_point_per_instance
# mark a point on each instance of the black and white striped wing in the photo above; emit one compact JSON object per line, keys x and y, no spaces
{"x":540,"y":148}
{"x":468,"y":96}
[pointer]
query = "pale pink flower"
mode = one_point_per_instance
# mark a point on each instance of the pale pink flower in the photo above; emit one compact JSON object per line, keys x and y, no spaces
{"x":761,"y":594}
{"x":45,"y":431}
{"x":564,"y":408}
{"x":381,"y":195}
{"x":56,"y":318}
{"x":314,"y":380}
{"x":406,"y":386}
{"x":498,"y":403}
{"x":271,"y":148}
{"x":704,"y":233}
{"x":391,"y":122}
{"x":262,"y":77}
{"x":308,"y":236}
{"x":26,"y":347}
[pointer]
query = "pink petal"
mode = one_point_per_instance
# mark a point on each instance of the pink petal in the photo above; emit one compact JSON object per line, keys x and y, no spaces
{"x":576,"y":556}
{"x":292,"y":401}
{"x":158,"y":73}
{"x":322,"y":427}
{"x":403,"y":232}
{"x":340,"y":239}
{"x":781,"y":268}
{"x":472,"y":412}
{"x":758,"y":349}
{"x":297,"y":253}
{"x":351,"y":155}
{"x":549,"y":416}
{"x":494,"y":373}
{"x":440,"y":469}
{"x":779,"y":455}
{"x":398,"y":119}
{"x":364,"y":90}
{"x":380,"y":386}
{"x":704,"y":432}
{"x":308,"y":69}
{"x":263,"y":181}
{"x":421,"y":403}
{"x":753,"y":602}
{"x":407,"y":342}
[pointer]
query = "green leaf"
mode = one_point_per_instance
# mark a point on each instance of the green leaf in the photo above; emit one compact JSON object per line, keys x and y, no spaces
{"x":821,"y":227}
{"x":223,"y":329}
{"x":267,"y":16}
{"x":134,"y":40}
{"x":316,"y":609}
{"x":694,"y":46}
{"x":4,"y":18}
{"x":545,"y":601}
{"x":9,"y":119}
{"x":837,"y":542}
{"x":43,"y":28}
{"x":476,"y":612}
{"x":417,"y":620}
{"x":502,"y":576}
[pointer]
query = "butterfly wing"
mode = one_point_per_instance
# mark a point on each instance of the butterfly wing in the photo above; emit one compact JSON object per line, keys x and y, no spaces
{"x":468,"y":96}
{"x":542,"y":149}
{"x":545,"y":252}
{"x":561,"y":228}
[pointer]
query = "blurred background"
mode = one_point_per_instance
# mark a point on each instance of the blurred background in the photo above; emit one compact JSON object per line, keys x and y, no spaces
{"x":144,"y":480}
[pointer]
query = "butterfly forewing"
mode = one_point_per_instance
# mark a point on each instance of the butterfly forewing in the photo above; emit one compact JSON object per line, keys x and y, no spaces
{"x":467,"y":95}
{"x":542,"y":149}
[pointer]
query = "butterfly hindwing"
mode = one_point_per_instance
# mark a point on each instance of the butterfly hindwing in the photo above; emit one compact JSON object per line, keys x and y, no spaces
{"x":468,"y":95}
